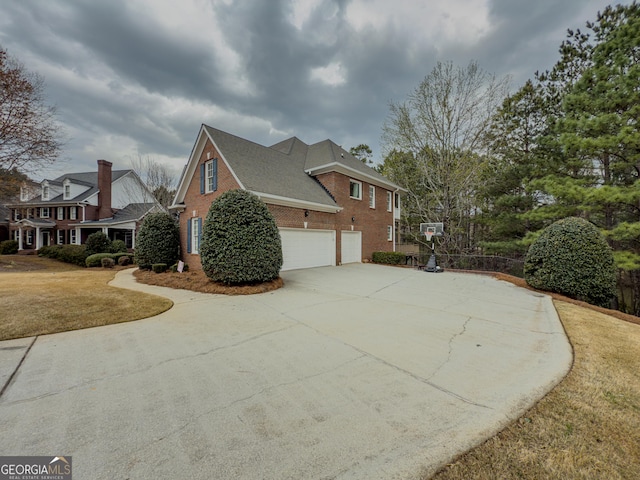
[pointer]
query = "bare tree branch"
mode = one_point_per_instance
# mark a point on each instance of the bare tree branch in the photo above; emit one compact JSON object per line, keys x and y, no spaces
{"x":30,"y":137}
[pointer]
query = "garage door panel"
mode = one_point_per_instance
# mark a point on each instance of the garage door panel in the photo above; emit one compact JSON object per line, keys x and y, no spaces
{"x":307,"y":248}
{"x":351,"y":247}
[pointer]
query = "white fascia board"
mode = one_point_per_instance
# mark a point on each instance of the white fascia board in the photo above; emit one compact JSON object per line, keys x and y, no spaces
{"x":353,"y":173}
{"x":190,"y":170}
{"x":295,"y":203}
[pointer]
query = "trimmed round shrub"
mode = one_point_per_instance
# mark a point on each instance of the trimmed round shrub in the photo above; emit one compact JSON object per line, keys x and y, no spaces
{"x":159,"y":267}
{"x":240,"y":240}
{"x":158,"y":241}
{"x":97,"y":242}
{"x":108,"y":262}
{"x":8,"y":247}
{"x":572,"y":257}
{"x":95,"y":260}
{"x":118,"y":246}
{"x":124,"y":260}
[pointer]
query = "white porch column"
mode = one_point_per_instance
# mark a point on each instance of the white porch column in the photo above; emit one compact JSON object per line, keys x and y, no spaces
{"x":78,"y":239}
{"x":133,"y":238}
{"x":105,"y":230}
{"x":38,"y":239}
{"x":20,"y":247}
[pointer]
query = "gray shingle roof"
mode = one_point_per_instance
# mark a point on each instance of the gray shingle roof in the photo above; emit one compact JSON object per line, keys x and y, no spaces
{"x":283,"y":169}
{"x":132,"y":212}
{"x":269,"y":170}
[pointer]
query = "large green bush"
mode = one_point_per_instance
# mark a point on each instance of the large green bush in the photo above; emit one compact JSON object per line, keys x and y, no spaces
{"x":240,"y":240}
{"x":118,"y":246}
{"x":8,"y":247}
{"x":98,"y":242}
{"x":571,"y":257}
{"x":75,"y":254}
{"x":158,"y":241}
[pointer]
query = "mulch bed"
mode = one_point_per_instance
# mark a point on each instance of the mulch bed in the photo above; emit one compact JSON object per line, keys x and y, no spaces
{"x":197,"y":281}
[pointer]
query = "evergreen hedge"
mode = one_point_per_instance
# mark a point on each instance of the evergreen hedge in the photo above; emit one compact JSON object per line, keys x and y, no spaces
{"x":572,"y":257}
{"x":240,"y":240}
{"x":75,"y":254}
{"x":389,"y":258}
{"x":158,"y":241}
{"x":98,"y":242}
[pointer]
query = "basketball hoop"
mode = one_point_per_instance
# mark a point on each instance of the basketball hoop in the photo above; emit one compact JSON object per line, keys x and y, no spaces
{"x":429,"y":233}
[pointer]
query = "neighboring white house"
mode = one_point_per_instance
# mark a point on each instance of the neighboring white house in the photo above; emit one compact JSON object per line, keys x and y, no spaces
{"x":68,"y":209}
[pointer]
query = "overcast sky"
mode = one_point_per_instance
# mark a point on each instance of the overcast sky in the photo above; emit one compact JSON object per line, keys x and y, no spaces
{"x":139,"y":77}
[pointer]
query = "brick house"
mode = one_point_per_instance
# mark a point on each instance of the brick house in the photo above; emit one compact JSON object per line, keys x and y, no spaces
{"x":330,"y":207}
{"x":68,"y":209}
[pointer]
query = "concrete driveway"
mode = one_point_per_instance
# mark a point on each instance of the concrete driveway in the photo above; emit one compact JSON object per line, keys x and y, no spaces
{"x":352,"y":372}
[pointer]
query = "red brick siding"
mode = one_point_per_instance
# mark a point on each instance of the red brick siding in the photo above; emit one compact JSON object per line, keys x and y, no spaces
{"x":372,"y":222}
{"x":197,"y":204}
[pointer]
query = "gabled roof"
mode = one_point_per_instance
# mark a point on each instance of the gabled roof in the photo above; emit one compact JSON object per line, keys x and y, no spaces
{"x":283,"y":173}
{"x":130,"y":213}
{"x":87,"y":179}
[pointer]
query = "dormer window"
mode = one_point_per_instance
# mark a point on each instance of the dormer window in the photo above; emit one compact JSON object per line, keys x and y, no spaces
{"x":45,"y":191}
{"x":67,"y":190}
{"x":23,"y":194}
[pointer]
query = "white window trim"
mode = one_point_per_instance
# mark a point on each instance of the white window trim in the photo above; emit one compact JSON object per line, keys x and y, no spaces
{"x":208,"y":176}
{"x":29,"y":237}
{"x":389,"y":233}
{"x":195,"y":238}
{"x":23,"y":194}
{"x":389,"y":202}
{"x":43,"y":210}
{"x":67,"y":191}
{"x":359,"y":189}
{"x":73,"y":213}
{"x":60,"y":239}
{"x":45,"y":192}
{"x":372,"y":196}
{"x":60,"y":213}
{"x":72,"y":237}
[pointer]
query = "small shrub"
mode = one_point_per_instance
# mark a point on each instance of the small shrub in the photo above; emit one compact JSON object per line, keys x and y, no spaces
{"x":118,"y":246}
{"x":95,"y":260}
{"x":388,"y":258}
{"x":97,"y":242}
{"x":240,"y":240}
{"x":159,"y":267}
{"x":174,"y":268}
{"x":571,"y":257}
{"x":108,"y":262}
{"x":8,"y":247}
{"x":158,"y":241}
{"x":124,"y":260}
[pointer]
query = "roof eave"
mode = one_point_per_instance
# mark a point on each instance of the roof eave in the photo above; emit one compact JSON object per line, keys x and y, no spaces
{"x":296,"y":203}
{"x":353,"y":173}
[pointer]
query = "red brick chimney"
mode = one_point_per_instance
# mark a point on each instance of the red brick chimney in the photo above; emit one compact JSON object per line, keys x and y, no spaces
{"x":104,"y":187}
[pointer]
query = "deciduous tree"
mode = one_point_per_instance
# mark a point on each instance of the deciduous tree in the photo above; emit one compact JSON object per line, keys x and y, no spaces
{"x":441,"y":126}
{"x":30,"y":137}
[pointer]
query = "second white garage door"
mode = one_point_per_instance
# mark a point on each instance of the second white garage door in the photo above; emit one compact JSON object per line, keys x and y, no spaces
{"x":302,"y":248}
{"x":351,"y":247}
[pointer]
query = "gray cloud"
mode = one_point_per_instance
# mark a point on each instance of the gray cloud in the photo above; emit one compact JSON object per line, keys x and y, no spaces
{"x":128,"y":80}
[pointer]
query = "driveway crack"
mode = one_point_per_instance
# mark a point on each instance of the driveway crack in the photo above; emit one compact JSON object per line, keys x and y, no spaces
{"x":449,"y":353}
{"x":13,"y":374}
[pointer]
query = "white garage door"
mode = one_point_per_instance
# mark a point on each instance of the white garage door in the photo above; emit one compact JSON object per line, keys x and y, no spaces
{"x":303,"y":248}
{"x":351,"y":247}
